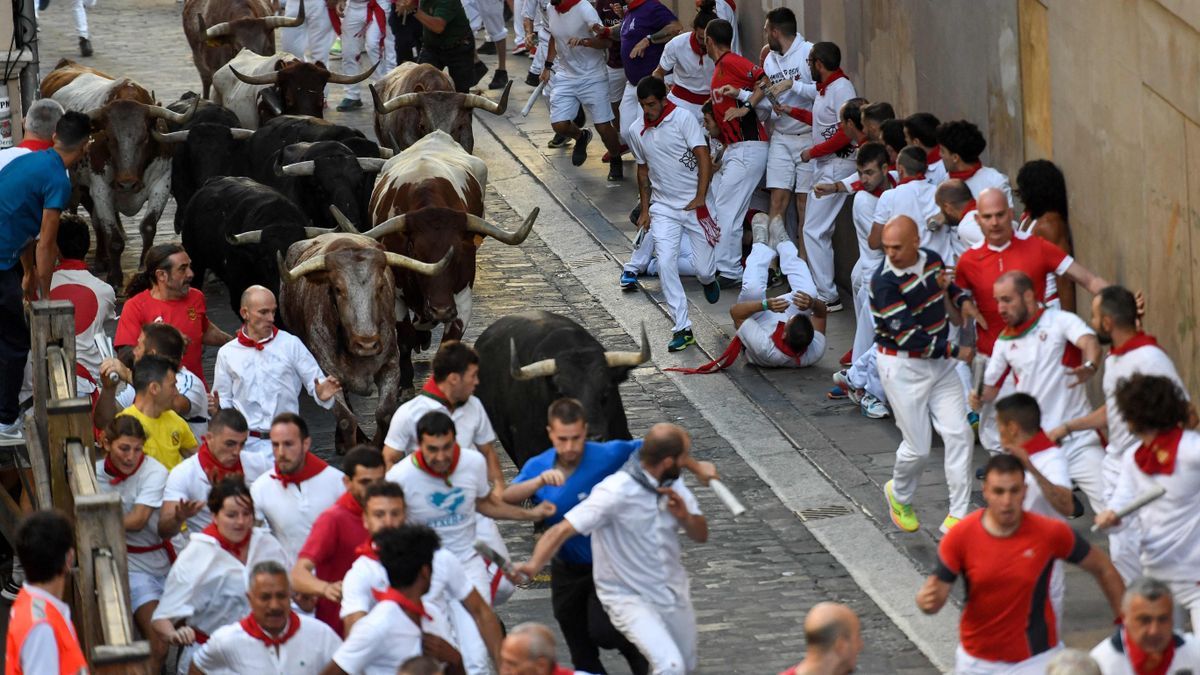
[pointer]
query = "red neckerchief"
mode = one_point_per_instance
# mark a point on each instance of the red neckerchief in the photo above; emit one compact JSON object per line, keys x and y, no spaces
{"x":909,"y":179}
{"x":35,"y":145}
{"x":116,"y":475}
{"x":732,"y":4}
{"x":933,"y":156}
{"x":1038,"y":443}
{"x":367,"y":549}
{"x":565,"y":6}
{"x":245,"y":340}
{"x":634,"y":4}
{"x":668,"y":108}
{"x":419,"y":460}
{"x":1159,"y":456}
{"x":67,"y":264}
{"x":971,"y":206}
{"x":967,"y":172}
{"x":1014,"y":332}
{"x":250,"y":625}
{"x":434,"y":392}
{"x":835,"y":75}
{"x":410,"y":607}
{"x":1138,"y":658}
{"x":348,"y":502}
{"x":1139,"y":340}
{"x":857,"y":186}
{"x":734,"y":350}
{"x":696,"y":46}
{"x":777,"y":338}
{"x":559,"y":670}
{"x":312,"y":466}
{"x":214,"y":469}
{"x":234,"y":548}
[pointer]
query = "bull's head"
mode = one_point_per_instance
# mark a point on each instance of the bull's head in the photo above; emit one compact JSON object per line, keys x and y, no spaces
{"x":126,"y":126}
{"x":429,"y":234}
{"x":254,"y":33}
{"x":330,"y":174}
{"x":301,"y":85}
{"x":358,"y":278}
{"x":584,"y":373}
{"x":438,"y":110}
{"x":261,"y":248}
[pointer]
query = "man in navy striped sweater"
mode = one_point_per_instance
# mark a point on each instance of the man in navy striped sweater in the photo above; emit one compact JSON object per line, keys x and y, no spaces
{"x":913,"y":298}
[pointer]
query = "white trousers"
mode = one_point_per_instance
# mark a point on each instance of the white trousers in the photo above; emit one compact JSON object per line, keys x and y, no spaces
{"x":733,"y":185}
{"x":642,"y":260}
{"x":864,"y":329}
{"x":467,"y":639}
{"x":1123,"y":546}
{"x":965,"y":664}
{"x":820,"y":217}
{"x":314,"y":37}
{"x":666,"y":636}
{"x":539,"y":57}
{"x":919,"y":390}
{"x":758,"y":263}
{"x":669,"y":226}
{"x":1085,"y":462}
{"x":482,"y":574}
{"x":359,"y":30}
{"x":989,"y":431}
{"x":260,"y":446}
{"x":631,"y":110}
{"x":864,"y":374}
{"x":519,"y":21}
{"x":1187,"y":598}
{"x":79,"y":9}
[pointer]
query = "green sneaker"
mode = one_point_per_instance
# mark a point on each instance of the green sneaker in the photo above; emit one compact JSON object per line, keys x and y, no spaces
{"x":948,"y":523}
{"x":902,"y":514}
{"x":681,"y":340}
{"x":336,"y":49}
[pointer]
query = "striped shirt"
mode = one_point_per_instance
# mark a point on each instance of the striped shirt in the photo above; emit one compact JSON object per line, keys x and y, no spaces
{"x":908,"y":309}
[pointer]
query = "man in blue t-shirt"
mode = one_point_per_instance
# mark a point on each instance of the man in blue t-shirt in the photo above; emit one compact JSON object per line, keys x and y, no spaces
{"x":34,"y":189}
{"x":565,"y":475}
{"x":646,"y":28}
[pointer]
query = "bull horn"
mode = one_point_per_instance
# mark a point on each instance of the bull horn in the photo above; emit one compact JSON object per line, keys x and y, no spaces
{"x":335,"y":78}
{"x":630,"y":359}
{"x":428,"y":269}
{"x":310,"y":232}
{"x":172,"y":116}
{"x":251,"y":237}
{"x":386,"y":152}
{"x":371,"y":164}
{"x":240,"y":134}
{"x":305,"y":168}
{"x":393,"y":225}
{"x":543,"y":368}
{"x":283,"y":21}
{"x":480,"y":226}
{"x":219,"y":30}
{"x":171,"y":137}
{"x":402,"y":101}
{"x":484,"y":103}
{"x":270,"y":78}
{"x":343,"y":222}
{"x":313,"y":264}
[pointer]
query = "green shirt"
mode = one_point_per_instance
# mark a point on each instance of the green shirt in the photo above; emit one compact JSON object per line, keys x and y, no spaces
{"x":458,"y":28}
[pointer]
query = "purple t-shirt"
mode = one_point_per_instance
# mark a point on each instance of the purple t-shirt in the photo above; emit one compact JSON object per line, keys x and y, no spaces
{"x":610,"y":19}
{"x":642,"y":21}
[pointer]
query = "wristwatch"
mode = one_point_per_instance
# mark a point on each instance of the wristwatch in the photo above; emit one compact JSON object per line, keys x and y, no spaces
{"x":1090,"y":366}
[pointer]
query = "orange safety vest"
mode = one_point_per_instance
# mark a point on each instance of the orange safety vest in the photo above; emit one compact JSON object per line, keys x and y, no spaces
{"x":29,"y":611}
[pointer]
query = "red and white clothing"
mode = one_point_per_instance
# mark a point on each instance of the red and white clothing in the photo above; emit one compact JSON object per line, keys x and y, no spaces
{"x":472,"y":428}
{"x":189,"y":314}
{"x":1041,"y":353}
{"x":1116,"y":656}
{"x":968,"y":231}
{"x":332,"y":548}
{"x":789,"y":136}
{"x":263,"y":378}
{"x":315,"y":36}
{"x":580,"y":72}
{"x":979,"y":178}
{"x":149,"y":557}
{"x":207,"y":584}
{"x":1051,"y":461}
{"x":95,"y":303}
{"x":387,"y":637}
{"x":290,"y":504}
{"x":863,"y":214}
{"x":913,"y":197}
{"x":691,"y":72}
{"x":935,"y":166}
{"x":305,"y":646}
{"x":365,"y":26}
{"x":762,"y":333}
{"x":190,"y":481}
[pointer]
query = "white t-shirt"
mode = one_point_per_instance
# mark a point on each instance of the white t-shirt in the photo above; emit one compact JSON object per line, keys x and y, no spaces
{"x":1147,"y":360}
{"x":791,"y":65}
{"x":969,"y":233}
{"x":579,"y":62}
{"x":987,"y":177}
{"x":187,"y":482}
{"x":449,"y":509}
{"x":1110,"y":656}
{"x":9,"y":154}
{"x":635,"y":540}
{"x":756,"y":332}
{"x":668,"y":150}
{"x":915,"y":200}
{"x":291,"y":511}
{"x":472,"y":428}
{"x":386,"y":638}
{"x":144,"y":487}
{"x":863,"y":213}
{"x":449,"y":583}
{"x":81,"y":288}
{"x":1036,"y":360}
{"x":263,"y":383}
{"x":1052,"y":463}
{"x":826,"y":114}
{"x":936,"y":172}
{"x":688,"y":69}
{"x":233,"y":651}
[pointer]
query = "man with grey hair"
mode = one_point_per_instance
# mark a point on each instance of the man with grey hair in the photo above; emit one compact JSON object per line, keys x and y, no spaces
{"x":529,"y":650}
{"x":833,"y":637}
{"x":40,"y":120}
{"x":1072,"y":662}
{"x":1147,"y":641}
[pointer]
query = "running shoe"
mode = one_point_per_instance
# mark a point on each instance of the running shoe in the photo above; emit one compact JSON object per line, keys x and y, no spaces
{"x":487,"y":49}
{"x":520,"y":49}
{"x":628,"y":281}
{"x":12,"y":433}
{"x":873,"y":407}
{"x":833,"y":306}
{"x":499,"y":79}
{"x":532,"y":79}
{"x":778,"y":234}
{"x":728,"y":282}
{"x":948,"y":523}
{"x":336,"y":48}
{"x":348,"y":104}
{"x":902,"y":514}
{"x":558,"y":141}
{"x":712,"y":292}
{"x":616,"y":172}
{"x":759,"y":228}
{"x":847,"y":358}
{"x":681,"y":340}
{"x":836,"y":394}
{"x":579,"y":154}
{"x":841,"y":379}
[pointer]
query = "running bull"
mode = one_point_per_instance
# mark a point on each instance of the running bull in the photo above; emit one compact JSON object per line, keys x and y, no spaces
{"x":211,"y":144}
{"x":216,"y":30}
{"x":413,"y":100}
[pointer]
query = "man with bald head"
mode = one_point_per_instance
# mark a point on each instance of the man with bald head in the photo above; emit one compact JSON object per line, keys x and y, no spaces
{"x":640,"y":580}
{"x":911,"y":298}
{"x":529,"y":650}
{"x":1003,"y":250}
{"x":833,"y":640}
{"x":261,"y":371}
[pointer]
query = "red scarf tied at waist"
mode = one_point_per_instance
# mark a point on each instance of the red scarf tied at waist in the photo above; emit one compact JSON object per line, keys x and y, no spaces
{"x":418,"y":458}
{"x":376,"y":13}
{"x":116,"y":475}
{"x":250,"y":625}
{"x":246,"y":341}
{"x":213,"y":468}
{"x":312,"y":466}
{"x":1159,"y":456}
{"x":731,"y":353}
{"x":412,"y":607}
{"x":234,"y":548}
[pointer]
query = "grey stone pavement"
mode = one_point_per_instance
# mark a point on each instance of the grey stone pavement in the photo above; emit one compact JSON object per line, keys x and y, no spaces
{"x":758,"y":575}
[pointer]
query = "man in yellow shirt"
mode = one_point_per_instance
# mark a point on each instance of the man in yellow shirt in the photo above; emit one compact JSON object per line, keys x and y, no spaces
{"x":168,"y":437}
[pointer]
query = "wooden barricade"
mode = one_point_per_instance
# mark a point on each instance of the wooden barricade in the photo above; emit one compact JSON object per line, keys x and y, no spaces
{"x":59,"y":439}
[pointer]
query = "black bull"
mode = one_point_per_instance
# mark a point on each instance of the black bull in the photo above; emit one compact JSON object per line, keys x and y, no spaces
{"x":529,"y":360}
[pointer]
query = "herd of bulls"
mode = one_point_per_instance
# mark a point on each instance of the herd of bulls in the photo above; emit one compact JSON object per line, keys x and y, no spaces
{"x":369,"y":245}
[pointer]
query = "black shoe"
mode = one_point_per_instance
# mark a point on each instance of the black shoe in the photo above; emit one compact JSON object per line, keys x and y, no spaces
{"x":480,"y":71}
{"x":487,"y":49}
{"x":774,"y":278}
{"x":579,"y":154}
{"x":43,"y":4}
{"x":712,"y":292}
{"x":532,"y":80}
{"x":85,"y":46}
{"x":558,"y":141}
{"x":10,"y":590}
{"x":499,"y":79}
{"x":728,"y":282}
{"x":616,"y":172}
{"x":580,"y":119}
{"x":834,"y":306}
{"x":979,"y":473}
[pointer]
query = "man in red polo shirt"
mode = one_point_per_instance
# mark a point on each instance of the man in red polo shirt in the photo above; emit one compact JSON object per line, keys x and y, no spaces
{"x":1004,"y":555}
{"x":1002,"y":250}
{"x":332,"y":545}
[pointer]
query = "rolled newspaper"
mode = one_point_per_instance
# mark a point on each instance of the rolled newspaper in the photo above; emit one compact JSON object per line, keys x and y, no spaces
{"x":537,"y":91}
{"x":105,"y":347}
{"x":1142,"y":500}
{"x":727,"y":497}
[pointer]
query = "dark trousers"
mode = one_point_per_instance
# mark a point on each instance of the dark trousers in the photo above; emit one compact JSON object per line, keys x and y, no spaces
{"x":584,"y":624}
{"x":14,"y":343}
{"x":459,"y":62}
{"x":407,"y":34}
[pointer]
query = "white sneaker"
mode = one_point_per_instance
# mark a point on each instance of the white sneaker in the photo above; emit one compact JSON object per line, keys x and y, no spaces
{"x":841,"y":380}
{"x":11,"y":434}
{"x":777,"y":233}
{"x":874,"y":408}
{"x":758,"y":227}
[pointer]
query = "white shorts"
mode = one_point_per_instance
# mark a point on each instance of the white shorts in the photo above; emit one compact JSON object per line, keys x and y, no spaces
{"x":616,"y":84}
{"x":965,"y":664}
{"x":785,"y":170}
{"x":491,"y":12}
{"x":144,"y":588}
{"x":569,"y":94}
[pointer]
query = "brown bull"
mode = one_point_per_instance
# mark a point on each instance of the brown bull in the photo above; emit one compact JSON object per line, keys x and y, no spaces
{"x":258,"y":88}
{"x":413,"y":100}
{"x":338,"y":293}
{"x":217,"y":30}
